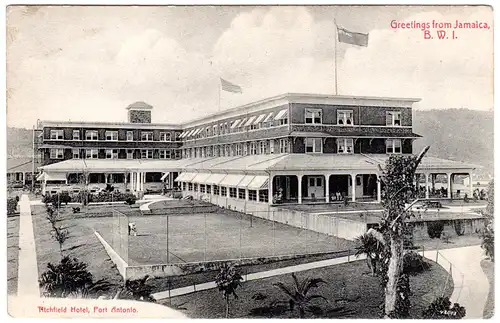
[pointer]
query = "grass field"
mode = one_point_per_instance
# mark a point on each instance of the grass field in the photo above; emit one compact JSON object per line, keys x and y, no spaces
{"x":213,"y":236}
{"x":350,"y":291}
{"x":12,"y":254}
{"x":489,"y":271}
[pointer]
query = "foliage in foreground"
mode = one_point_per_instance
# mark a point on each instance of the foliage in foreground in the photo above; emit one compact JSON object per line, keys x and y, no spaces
{"x":488,"y":234}
{"x":138,"y":290}
{"x":298,"y":298}
{"x":228,"y":280}
{"x":69,"y":278}
{"x":441,"y":308}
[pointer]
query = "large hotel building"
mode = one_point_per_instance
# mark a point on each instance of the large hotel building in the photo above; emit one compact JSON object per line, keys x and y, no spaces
{"x":302,"y":147}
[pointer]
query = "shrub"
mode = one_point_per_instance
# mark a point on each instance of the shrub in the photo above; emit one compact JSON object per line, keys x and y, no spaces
{"x":441,"y":308}
{"x":459,"y":227}
{"x":65,"y":198}
{"x":68,"y":277}
{"x":413,"y":263}
{"x":435,"y":228}
{"x":130,"y":200}
{"x":11,"y":206}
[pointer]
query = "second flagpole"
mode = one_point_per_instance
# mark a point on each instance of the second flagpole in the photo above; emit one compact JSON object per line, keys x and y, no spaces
{"x":335,"y":53}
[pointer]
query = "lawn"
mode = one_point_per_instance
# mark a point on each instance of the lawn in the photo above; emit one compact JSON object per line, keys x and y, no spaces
{"x":350,"y":291}
{"x":82,"y":244}
{"x":489,"y":271}
{"x":12,"y":254}
{"x":212,"y":236}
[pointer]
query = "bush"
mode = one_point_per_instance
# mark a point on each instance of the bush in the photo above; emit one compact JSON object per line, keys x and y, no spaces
{"x":435,"y":228}
{"x":459,"y":227}
{"x":441,"y":308}
{"x":413,"y":263}
{"x":65,"y":198}
{"x":11,"y":206}
{"x":130,"y":200}
{"x":114,"y":196}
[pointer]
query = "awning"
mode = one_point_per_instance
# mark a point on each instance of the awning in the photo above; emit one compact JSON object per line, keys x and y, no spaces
{"x":259,"y":183}
{"x":310,"y":134}
{"x":231,"y":180}
{"x":242,"y":123}
{"x":282,"y":114}
{"x":235,"y":124}
{"x":55,"y":176}
{"x":40,"y":177}
{"x":185,"y":177}
{"x":259,"y":119}
{"x":196,"y":132}
{"x":269,"y":116}
{"x":183,"y":134}
{"x":249,"y":122}
{"x":188,"y":134}
{"x":165,"y":176}
{"x":200,"y":178}
{"x":215,"y":179}
{"x":245,"y":181}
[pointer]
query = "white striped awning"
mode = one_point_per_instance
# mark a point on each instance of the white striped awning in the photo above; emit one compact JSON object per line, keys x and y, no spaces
{"x":259,"y":119}
{"x":190,"y":132}
{"x":235,"y":124}
{"x":231,"y":180}
{"x":250,"y":120}
{"x":200,"y":178}
{"x":185,"y":177}
{"x":242,"y":123}
{"x":215,"y":179}
{"x":197,"y":131}
{"x":268,"y":118}
{"x":259,"y":183}
{"x":40,"y":177}
{"x":281,"y":115}
{"x":245,"y":181}
{"x":182,"y":134}
{"x":165,"y":176}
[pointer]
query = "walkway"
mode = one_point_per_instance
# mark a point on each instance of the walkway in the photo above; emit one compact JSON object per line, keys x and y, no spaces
{"x":471,"y":285}
{"x":28,"y":268}
{"x":145,"y":207}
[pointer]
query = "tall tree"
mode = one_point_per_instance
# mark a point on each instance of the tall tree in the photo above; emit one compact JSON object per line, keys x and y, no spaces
{"x":398,"y":177}
{"x":228,"y":279}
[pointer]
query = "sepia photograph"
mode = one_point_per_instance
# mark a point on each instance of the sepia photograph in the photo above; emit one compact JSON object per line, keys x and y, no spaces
{"x":250,"y":161}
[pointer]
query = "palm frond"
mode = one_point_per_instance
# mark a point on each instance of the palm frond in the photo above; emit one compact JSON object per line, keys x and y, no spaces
{"x":313,"y":283}
{"x":284,"y":289}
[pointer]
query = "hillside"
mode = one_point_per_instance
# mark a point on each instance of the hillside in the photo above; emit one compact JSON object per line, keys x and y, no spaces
{"x":457,"y":134}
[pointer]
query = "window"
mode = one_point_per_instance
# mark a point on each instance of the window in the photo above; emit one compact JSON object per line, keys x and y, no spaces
{"x":216,"y":190}
{"x":111,"y":153}
{"x":146,"y":136}
{"x":283,"y":146}
{"x":130,"y":136}
{"x":76,"y":153}
{"x":56,"y":153}
{"x":344,"y":117}
{"x":252,"y":195}
{"x":130,"y":154}
{"x":209,"y":189}
{"x":195,"y":187}
{"x":232,"y":192}
{"x":112,"y":135}
{"x":283,"y":121}
{"x":221,"y":129}
{"x":56,"y":134}
{"x":164,"y":136}
{"x":214,"y":130}
{"x":226,"y":128}
{"x":345,"y":146}
{"x":271,"y":146}
{"x":245,"y":148}
{"x":393,"y":118}
{"x":76,"y":134}
{"x":91,"y":153}
{"x":177,"y":136}
{"x":207,"y":132}
{"x":263,"y":148}
{"x":263,"y":196}
{"x":253,"y":148}
{"x":223,"y":191}
{"x":147,"y":153}
{"x":165,"y":154}
{"x":239,"y":150}
{"x":314,"y":145}
{"x":393,"y":146}
{"x":178,"y":154}
{"x":226,"y":148}
{"x":313,"y":116}
{"x":91,"y":135}
{"x":190,"y":186}
{"x":202,"y":188}
{"x":358,"y":180}
{"x":241,"y":193}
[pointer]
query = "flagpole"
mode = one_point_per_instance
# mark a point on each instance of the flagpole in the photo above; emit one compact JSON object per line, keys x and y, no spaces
{"x":335,"y":50}
{"x":219,"y":89}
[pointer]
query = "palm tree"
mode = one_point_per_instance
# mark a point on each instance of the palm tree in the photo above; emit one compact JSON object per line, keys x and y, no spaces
{"x":137,"y":290}
{"x":370,"y":245}
{"x":298,"y":297}
{"x":60,"y":235}
{"x":228,"y":279}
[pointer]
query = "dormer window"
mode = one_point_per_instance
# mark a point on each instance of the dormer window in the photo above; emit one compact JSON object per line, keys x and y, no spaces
{"x":345,"y":146}
{"x":313,"y":116}
{"x":345,"y":117}
{"x":393,"y":118}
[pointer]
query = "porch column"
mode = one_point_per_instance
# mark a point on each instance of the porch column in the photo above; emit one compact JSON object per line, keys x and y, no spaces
{"x":246,"y":194}
{"x":106,"y":178}
{"x":270,"y":190}
{"x":327,"y":188}
{"x":433,"y":181}
{"x":448,"y":175}
{"x":143,"y":180}
{"x":470,"y":185}
{"x":426,"y":185}
{"x":299,"y":193}
{"x":125,"y":180}
{"x":379,"y":190}
{"x":24,"y":178}
{"x":353,"y":187}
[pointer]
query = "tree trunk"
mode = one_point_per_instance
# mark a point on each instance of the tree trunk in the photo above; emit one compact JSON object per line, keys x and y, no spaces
{"x":393,"y":273}
{"x":374,"y":266}
{"x":227,"y":306}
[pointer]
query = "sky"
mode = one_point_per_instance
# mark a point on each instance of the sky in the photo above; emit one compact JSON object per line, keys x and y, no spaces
{"x":89,"y":63}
